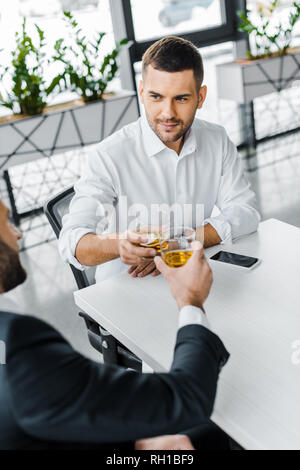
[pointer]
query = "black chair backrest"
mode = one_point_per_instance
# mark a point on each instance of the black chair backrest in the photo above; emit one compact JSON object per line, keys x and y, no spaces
{"x":114,"y":352}
{"x":55,"y":209}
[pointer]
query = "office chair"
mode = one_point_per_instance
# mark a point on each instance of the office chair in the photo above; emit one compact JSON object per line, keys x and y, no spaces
{"x":113,"y":352}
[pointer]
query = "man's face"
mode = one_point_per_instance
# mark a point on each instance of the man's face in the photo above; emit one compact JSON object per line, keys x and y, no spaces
{"x":11,"y":270}
{"x":171,"y":101}
{"x":8,"y":232}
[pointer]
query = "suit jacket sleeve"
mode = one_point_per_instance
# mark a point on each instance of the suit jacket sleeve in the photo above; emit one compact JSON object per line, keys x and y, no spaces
{"x":208,"y":436}
{"x":59,"y":395}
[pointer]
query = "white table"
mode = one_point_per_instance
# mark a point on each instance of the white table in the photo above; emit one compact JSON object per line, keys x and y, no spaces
{"x":255,"y":313}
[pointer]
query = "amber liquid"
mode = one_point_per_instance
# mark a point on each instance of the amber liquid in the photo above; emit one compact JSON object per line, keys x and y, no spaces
{"x":177,"y":259}
{"x":156,"y":245}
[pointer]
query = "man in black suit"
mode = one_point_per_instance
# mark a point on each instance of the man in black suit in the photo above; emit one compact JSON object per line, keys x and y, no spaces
{"x":53,"y":397}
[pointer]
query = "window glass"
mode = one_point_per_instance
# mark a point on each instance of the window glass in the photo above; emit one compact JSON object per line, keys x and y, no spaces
{"x":164,"y":17}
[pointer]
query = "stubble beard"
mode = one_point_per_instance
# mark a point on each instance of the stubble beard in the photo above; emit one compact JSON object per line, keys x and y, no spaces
{"x":184,"y":129}
{"x":12,"y":272}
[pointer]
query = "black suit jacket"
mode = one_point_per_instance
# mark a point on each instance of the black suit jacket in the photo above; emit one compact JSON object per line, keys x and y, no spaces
{"x":52,"y":396}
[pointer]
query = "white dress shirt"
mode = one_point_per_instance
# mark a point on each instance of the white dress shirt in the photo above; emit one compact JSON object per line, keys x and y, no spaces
{"x":190,"y":315}
{"x":135,"y":163}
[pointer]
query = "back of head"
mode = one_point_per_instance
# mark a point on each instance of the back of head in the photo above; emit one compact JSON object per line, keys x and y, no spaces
{"x":174,"y":54}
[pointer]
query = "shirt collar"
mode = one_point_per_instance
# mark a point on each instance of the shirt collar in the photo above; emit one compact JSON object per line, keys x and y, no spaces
{"x":153,"y":145}
{"x":190,"y":142}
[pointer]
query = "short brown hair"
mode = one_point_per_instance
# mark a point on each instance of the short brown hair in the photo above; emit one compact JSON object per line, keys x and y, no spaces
{"x":174,"y":54}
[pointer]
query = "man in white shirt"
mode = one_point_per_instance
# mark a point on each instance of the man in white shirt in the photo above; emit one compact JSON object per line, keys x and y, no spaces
{"x":168,"y":158}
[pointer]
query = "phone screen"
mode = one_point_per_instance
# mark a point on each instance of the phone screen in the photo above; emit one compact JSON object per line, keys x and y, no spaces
{"x":233,"y":258}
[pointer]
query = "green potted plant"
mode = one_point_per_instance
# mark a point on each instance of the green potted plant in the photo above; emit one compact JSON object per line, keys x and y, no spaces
{"x":84,"y":69}
{"x":37,"y":130}
{"x":29,"y":92}
{"x":271,"y":65}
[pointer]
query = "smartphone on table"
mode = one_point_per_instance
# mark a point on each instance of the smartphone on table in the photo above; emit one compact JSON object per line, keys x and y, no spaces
{"x":242,"y":261}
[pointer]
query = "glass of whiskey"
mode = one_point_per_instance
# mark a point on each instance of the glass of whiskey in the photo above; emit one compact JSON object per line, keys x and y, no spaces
{"x":176,"y":245}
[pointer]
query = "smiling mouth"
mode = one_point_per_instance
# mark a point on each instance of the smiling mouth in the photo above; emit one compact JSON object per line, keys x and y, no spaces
{"x":168,"y":126}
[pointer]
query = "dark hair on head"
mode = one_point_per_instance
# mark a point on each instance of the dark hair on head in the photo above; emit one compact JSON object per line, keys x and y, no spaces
{"x":174,"y":54}
{"x":12,"y":273}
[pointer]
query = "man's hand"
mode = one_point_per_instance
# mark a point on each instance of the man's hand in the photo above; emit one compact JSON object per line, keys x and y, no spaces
{"x":190,"y":285}
{"x":176,"y":442}
{"x":130,"y":250}
{"x":144,"y":269}
{"x":147,"y":267}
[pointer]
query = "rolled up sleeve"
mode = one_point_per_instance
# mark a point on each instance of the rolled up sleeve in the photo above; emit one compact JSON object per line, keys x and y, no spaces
{"x":236,"y":201}
{"x":93,"y":191}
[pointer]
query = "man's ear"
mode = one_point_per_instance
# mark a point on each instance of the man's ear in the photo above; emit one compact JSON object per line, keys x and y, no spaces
{"x":141,"y":91}
{"x":202,"y":96}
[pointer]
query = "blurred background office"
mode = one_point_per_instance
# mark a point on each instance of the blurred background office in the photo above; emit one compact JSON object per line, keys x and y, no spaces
{"x":41,"y":156}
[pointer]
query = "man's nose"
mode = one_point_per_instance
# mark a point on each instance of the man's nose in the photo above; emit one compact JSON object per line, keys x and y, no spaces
{"x":168,"y":111}
{"x":16,"y":232}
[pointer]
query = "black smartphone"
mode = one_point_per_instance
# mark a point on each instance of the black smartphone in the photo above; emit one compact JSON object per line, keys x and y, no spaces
{"x":238,"y":260}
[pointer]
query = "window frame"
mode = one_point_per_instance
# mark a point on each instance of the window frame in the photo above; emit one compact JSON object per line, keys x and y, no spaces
{"x":226,"y":32}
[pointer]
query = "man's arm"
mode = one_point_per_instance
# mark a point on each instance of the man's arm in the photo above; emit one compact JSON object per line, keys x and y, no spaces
{"x":236,"y":201}
{"x":81,"y":242}
{"x":95,"y":197}
{"x":208,"y":236}
{"x":59,"y":395}
{"x":93,"y":250}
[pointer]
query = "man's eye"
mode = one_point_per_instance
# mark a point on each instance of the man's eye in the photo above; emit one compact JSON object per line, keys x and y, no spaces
{"x":155,"y":97}
{"x":182,"y":99}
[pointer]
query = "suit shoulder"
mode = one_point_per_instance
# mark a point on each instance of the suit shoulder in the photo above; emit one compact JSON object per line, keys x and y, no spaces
{"x":28,"y":321}
{"x":6,"y":319}
{"x":16,"y":322}
{"x":26,"y":331}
